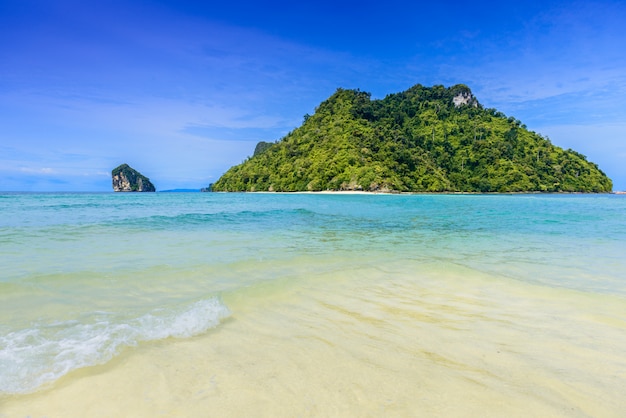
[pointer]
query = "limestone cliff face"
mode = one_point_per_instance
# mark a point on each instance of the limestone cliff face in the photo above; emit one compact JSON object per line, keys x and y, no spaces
{"x":126,"y":179}
{"x":465,"y":97}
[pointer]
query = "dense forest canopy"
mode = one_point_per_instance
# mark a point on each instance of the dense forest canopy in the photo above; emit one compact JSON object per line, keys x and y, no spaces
{"x":425,"y":139}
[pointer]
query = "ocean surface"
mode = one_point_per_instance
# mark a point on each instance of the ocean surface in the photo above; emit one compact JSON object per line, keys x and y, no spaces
{"x":312,"y":304}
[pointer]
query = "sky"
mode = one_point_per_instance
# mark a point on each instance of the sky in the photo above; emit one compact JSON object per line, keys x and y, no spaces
{"x":183,"y":90}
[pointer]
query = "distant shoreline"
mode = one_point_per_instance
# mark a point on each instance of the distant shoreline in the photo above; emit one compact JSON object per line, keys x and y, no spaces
{"x":362,"y":192}
{"x":326,"y":192}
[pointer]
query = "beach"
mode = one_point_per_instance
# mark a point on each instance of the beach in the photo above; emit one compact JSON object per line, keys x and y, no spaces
{"x":325,"y":306}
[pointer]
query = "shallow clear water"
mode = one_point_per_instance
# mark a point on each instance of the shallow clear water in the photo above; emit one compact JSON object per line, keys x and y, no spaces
{"x":86,"y":278}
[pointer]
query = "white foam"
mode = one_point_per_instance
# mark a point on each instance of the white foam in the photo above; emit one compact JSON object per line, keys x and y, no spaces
{"x":34,"y":357}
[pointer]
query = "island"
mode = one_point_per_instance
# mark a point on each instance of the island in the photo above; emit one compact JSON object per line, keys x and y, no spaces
{"x":425,"y":139}
{"x":127,"y":179}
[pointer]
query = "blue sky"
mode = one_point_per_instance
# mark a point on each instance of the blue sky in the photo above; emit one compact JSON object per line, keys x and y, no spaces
{"x":183,"y":90}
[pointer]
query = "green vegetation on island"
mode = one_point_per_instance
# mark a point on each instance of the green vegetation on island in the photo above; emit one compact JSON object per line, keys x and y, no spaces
{"x":426,"y":139}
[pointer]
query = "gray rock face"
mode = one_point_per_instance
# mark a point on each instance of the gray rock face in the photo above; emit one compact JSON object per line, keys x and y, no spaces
{"x":127,"y":179}
{"x":465,"y":98}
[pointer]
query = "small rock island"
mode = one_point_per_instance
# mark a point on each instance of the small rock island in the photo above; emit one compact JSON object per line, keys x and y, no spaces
{"x":127,"y":179}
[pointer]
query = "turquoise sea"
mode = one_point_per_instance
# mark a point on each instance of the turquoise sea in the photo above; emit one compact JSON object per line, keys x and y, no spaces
{"x":312,"y":304}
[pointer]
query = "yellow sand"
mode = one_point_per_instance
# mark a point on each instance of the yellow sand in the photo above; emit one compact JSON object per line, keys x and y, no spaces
{"x":375,"y":342}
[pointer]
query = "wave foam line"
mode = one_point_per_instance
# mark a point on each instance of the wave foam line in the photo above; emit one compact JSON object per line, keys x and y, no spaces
{"x":40,"y":355}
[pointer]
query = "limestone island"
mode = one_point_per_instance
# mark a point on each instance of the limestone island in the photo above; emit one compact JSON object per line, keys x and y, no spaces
{"x":127,"y":179}
{"x":425,"y":139}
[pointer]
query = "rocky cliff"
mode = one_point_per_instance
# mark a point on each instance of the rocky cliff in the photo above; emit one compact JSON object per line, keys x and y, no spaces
{"x":127,"y":179}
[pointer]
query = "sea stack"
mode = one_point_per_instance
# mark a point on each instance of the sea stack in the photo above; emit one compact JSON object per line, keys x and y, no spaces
{"x":127,"y":179}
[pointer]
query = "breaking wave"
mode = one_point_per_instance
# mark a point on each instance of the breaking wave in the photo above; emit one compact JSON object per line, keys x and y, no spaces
{"x":33,"y":357}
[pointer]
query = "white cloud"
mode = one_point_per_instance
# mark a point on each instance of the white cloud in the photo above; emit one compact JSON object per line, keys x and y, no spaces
{"x":571,"y":50}
{"x":42,"y":170}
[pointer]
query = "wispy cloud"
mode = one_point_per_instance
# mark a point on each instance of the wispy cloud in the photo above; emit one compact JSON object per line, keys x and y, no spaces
{"x":573,"y":49}
{"x":43,"y":170}
{"x":564,"y":65}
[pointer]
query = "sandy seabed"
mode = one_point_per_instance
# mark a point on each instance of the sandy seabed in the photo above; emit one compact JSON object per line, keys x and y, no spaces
{"x":371,"y":342}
